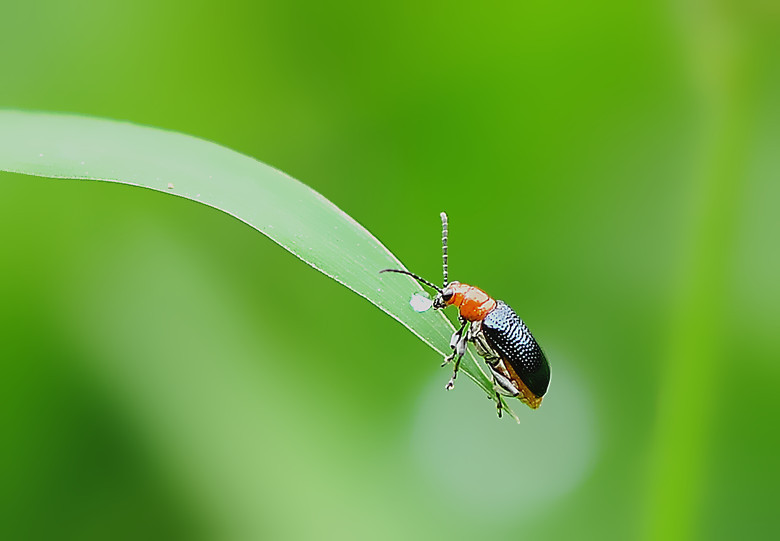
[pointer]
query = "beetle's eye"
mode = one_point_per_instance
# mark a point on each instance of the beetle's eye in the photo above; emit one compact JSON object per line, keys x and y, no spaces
{"x":447,"y":294}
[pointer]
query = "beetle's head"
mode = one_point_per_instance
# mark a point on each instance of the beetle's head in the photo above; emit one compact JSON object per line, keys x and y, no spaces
{"x":444,"y":296}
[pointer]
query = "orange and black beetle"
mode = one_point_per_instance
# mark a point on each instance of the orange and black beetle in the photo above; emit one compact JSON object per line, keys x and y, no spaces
{"x":518,"y":365}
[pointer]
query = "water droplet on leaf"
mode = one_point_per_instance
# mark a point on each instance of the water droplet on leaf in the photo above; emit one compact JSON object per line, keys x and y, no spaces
{"x":420,"y":302}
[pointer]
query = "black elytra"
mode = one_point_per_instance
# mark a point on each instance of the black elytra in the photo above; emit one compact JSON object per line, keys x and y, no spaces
{"x":510,"y":338}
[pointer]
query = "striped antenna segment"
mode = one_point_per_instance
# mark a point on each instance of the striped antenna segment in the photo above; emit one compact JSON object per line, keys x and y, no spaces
{"x":444,"y":246}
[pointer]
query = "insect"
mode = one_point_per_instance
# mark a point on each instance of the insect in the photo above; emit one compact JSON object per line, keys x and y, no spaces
{"x":517,"y":364}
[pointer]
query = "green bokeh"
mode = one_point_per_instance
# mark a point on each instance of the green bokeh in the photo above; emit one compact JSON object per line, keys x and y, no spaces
{"x":610,"y":170}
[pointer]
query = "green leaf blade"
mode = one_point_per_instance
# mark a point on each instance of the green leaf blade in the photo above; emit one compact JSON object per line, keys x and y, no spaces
{"x":287,"y":211}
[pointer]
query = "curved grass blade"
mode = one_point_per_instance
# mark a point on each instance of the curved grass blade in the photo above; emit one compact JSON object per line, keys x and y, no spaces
{"x":290,"y":213}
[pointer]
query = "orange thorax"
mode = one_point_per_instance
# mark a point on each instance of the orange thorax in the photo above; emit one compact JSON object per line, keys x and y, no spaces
{"x":473,"y":303}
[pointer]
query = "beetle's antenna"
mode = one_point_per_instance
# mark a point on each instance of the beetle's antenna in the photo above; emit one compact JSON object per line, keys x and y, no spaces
{"x":444,"y":246}
{"x":421,"y":280}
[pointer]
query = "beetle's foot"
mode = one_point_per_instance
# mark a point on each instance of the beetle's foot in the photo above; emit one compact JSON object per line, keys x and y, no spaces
{"x":451,"y":384}
{"x":499,"y":405}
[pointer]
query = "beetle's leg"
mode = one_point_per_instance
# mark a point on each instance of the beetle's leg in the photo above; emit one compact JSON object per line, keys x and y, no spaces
{"x":460,"y":349}
{"x":451,"y":383}
{"x":497,"y":399}
{"x":499,"y":404}
{"x":457,"y":343}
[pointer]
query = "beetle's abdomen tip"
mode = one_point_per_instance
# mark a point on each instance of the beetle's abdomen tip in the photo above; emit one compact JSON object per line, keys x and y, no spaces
{"x":532,"y":403}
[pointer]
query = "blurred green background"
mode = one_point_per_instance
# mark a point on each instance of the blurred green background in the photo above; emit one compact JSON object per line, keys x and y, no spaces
{"x":610,"y":169}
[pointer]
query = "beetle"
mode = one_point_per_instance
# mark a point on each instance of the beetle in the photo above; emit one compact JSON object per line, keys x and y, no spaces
{"x":518,"y":365}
